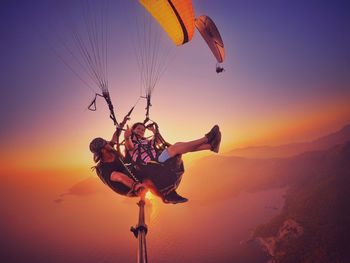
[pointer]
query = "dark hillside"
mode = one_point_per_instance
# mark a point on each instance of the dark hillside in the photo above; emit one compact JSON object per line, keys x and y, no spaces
{"x":320,"y":205}
{"x":288,"y":150}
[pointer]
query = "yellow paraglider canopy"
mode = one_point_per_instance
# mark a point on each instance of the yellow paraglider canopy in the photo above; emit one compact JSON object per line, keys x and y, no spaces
{"x":176,"y":17}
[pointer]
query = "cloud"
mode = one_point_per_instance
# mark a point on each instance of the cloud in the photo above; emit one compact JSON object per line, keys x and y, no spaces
{"x":87,"y":187}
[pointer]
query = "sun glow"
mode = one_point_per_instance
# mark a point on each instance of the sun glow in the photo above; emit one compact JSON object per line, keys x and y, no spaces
{"x":149,"y":195}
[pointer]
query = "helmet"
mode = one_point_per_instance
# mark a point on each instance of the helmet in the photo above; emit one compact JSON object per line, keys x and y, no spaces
{"x":96,"y":146}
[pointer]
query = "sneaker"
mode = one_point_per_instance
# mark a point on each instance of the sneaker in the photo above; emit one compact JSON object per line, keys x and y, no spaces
{"x":215,"y":143}
{"x":212,"y":134}
{"x":174,"y":198}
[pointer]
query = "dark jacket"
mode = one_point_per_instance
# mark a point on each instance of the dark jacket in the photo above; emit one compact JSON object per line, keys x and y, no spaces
{"x":104,"y":171}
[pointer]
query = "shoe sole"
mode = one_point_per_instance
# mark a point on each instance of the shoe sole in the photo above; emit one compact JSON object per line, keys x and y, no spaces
{"x":216,"y":143}
{"x":212,"y":133}
{"x":175,"y":202}
{"x":179,"y":202}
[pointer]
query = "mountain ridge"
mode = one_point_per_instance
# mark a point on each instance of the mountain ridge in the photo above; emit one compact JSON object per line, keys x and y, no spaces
{"x":319,"y":207}
{"x":288,"y":150}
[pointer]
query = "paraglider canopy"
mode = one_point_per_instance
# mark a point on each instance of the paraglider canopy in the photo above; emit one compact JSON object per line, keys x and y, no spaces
{"x":211,"y":35}
{"x":176,"y":17}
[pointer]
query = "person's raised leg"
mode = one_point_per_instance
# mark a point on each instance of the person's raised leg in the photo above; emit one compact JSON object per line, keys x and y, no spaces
{"x":195,"y":146}
{"x":185,"y":147}
{"x":204,"y":143}
{"x":203,"y":147}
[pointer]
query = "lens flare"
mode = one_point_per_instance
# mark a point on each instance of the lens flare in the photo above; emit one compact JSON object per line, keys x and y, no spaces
{"x":149,"y":195}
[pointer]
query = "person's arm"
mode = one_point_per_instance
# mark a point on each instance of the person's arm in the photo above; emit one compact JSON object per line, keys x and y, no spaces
{"x":114,"y":139}
{"x":155,"y":134}
{"x":122,"y":178}
{"x":129,"y":145}
{"x":127,"y":181}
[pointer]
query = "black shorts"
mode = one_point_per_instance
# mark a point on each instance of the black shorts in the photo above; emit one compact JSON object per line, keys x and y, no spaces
{"x":165,"y":176}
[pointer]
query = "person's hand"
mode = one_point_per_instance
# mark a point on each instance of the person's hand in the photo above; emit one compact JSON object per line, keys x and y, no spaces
{"x":152,"y":129}
{"x":137,"y":189}
{"x":127,"y":132}
{"x":140,"y":189}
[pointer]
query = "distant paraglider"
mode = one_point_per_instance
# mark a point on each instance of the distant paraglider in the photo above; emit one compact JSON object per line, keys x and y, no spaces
{"x":219,"y":69}
{"x":178,"y":20}
{"x":211,"y":35}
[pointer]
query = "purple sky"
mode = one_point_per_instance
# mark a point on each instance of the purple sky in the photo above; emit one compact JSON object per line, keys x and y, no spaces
{"x":287,"y":71}
{"x":281,"y":55}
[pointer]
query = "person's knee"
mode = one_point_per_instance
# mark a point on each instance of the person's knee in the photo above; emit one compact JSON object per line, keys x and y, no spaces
{"x":171,"y":150}
{"x":174,"y":149}
{"x":116,"y":176}
{"x":178,"y":145}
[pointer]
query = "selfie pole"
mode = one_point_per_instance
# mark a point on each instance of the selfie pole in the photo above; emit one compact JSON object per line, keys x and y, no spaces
{"x":140,"y":231}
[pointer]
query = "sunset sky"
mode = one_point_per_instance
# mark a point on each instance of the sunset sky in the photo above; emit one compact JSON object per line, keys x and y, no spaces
{"x":287,"y":79}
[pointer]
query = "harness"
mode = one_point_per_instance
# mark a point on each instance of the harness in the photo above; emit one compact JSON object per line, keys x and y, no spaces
{"x":124,"y":164}
{"x":171,"y":171}
{"x":144,"y":150}
{"x":151,"y":150}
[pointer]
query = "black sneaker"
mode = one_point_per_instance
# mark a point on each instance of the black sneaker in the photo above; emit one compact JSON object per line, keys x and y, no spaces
{"x":211,"y":135}
{"x":174,"y":198}
{"x":215,"y":143}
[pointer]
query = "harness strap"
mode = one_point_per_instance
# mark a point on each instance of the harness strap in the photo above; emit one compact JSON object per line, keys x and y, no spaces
{"x":92,"y":105}
{"x":110,"y":106}
{"x":148,"y":97}
{"x":130,"y":174}
{"x":121,"y":126}
{"x":145,"y":149}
